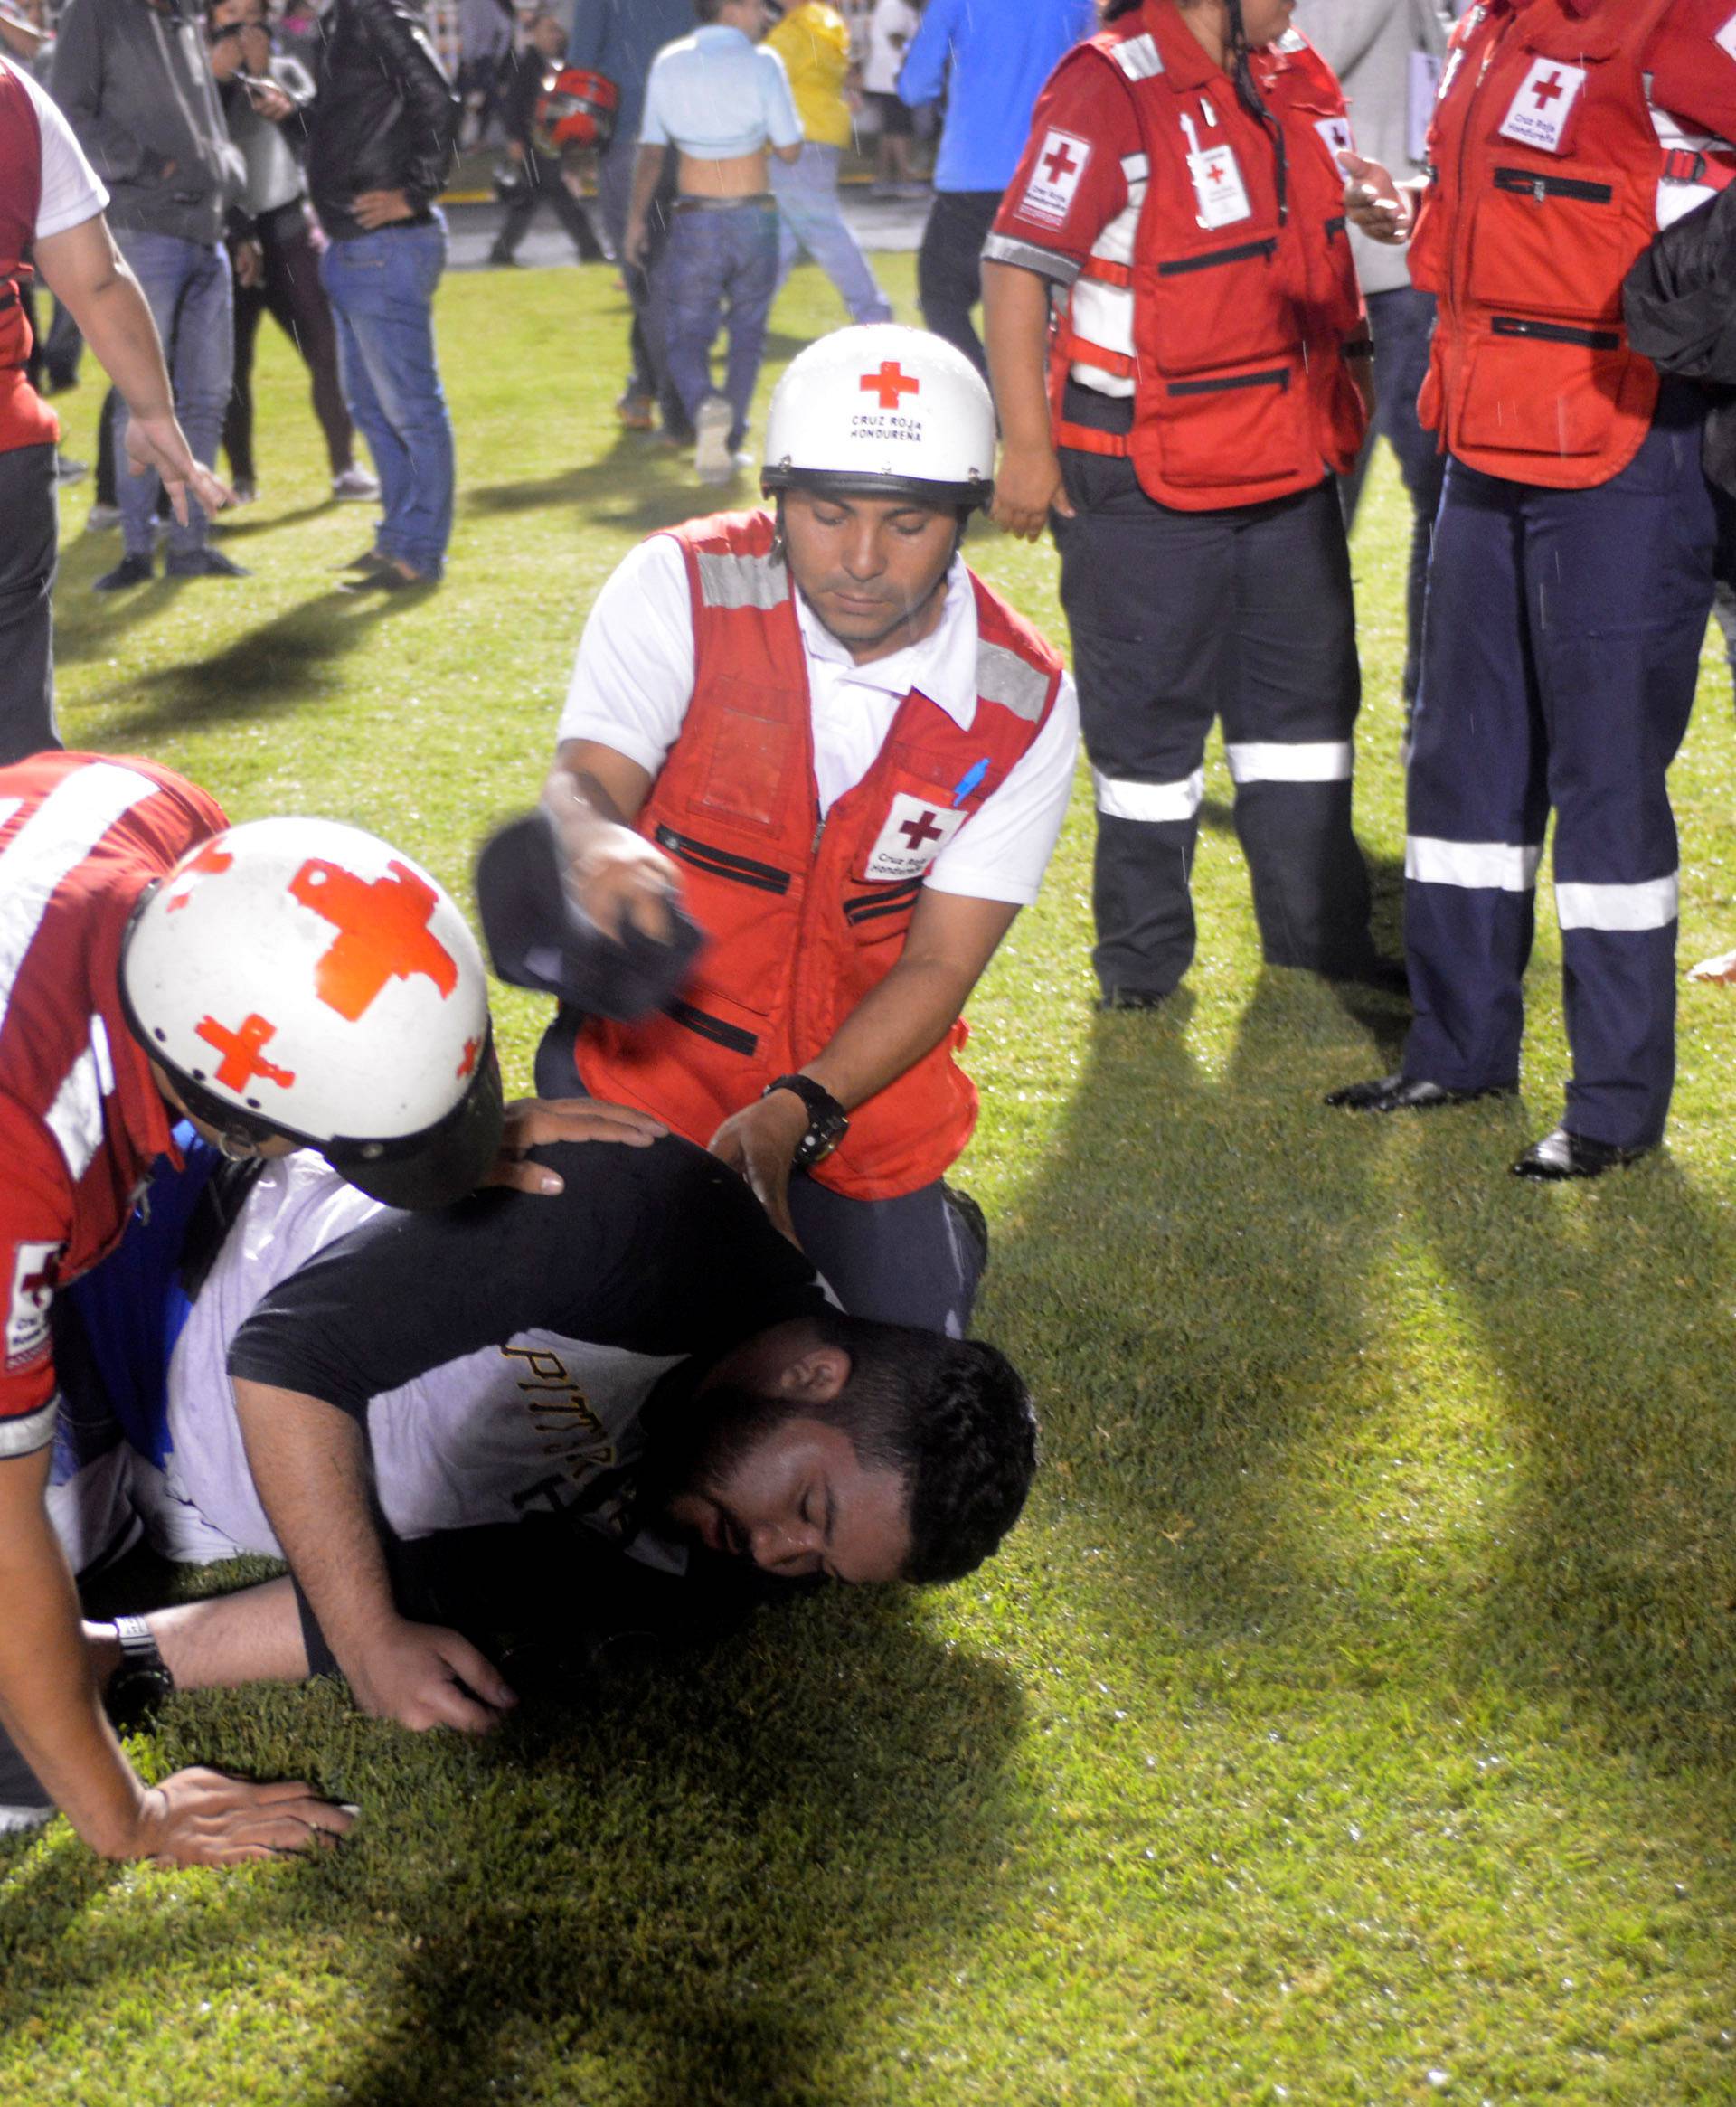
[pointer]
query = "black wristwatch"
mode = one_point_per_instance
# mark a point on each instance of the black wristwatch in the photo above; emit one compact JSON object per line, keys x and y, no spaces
{"x":827,"y":1121}
{"x":142,"y":1681}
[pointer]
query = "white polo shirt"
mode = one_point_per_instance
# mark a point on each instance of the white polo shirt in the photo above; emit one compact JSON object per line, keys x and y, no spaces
{"x":633,"y":681}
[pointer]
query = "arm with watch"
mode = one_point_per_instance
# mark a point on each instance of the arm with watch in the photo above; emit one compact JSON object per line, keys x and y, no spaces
{"x":594,"y":794}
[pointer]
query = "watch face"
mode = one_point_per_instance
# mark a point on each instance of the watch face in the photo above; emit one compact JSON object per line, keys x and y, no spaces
{"x":828,"y":1128}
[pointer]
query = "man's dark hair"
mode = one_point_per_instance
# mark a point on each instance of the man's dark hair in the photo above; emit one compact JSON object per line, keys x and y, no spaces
{"x":708,"y":10}
{"x":954,"y":1418}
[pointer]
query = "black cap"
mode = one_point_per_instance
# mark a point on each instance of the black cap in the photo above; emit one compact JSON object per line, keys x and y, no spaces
{"x":537,"y":939}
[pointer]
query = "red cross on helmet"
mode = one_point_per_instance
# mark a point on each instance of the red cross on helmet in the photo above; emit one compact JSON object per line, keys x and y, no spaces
{"x":879,"y":411}
{"x":300,"y":977}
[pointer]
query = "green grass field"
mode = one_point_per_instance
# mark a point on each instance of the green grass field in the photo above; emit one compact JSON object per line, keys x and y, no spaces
{"x":1353,"y":1717}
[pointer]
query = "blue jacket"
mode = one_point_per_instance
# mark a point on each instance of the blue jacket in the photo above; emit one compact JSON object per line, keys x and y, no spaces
{"x":620,"y":38}
{"x":997,"y":54}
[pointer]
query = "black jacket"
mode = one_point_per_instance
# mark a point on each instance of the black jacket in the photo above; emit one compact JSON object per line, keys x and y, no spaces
{"x":1679,"y":302}
{"x":385,"y":117}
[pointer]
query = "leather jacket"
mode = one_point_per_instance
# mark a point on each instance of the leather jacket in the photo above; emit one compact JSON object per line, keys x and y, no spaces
{"x":385,"y":117}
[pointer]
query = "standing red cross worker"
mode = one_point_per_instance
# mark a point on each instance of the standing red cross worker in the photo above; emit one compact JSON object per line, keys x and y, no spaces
{"x":382,"y":932}
{"x":891,"y":382}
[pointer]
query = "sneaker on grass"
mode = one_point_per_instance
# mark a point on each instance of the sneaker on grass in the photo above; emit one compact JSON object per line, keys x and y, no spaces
{"x":102,"y":519}
{"x":355,"y":487}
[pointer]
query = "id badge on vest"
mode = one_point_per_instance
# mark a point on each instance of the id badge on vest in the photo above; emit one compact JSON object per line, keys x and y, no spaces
{"x":1219,"y":191}
{"x":1541,"y":111}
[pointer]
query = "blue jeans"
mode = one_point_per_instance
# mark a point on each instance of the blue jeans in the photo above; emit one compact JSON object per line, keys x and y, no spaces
{"x":812,"y":220}
{"x":1402,"y":321}
{"x":381,"y":290}
{"x":190,"y":291}
{"x":717,"y":264}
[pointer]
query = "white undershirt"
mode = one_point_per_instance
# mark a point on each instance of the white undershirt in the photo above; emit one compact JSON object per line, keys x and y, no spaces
{"x":634,"y":680}
{"x":73,"y":191}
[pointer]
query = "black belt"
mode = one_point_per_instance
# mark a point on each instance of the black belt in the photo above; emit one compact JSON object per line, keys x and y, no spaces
{"x":685,"y":204}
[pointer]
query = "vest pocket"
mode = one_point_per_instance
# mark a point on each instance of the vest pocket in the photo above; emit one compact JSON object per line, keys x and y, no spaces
{"x":1219,"y":307}
{"x":715,"y":1022}
{"x":1232,"y":428}
{"x":744,"y":767}
{"x":1538,"y":388}
{"x":1549,"y":243}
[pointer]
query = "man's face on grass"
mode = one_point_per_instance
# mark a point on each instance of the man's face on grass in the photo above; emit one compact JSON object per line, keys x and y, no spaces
{"x":869,"y":567}
{"x":794,"y":1497}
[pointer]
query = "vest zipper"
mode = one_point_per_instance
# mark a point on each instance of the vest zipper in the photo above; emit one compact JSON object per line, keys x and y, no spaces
{"x":721,"y":863}
{"x":1274,"y":377}
{"x":1239,"y":253}
{"x":1527,"y":183}
{"x":1554,"y":332}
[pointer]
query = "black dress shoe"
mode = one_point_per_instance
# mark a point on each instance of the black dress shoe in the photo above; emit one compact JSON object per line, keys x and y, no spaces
{"x":1561,"y":1154}
{"x":386,"y":578}
{"x":203,"y":563}
{"x":1408,"y":1093}
{"x":369,"y":559}
{"x":129,"y":571}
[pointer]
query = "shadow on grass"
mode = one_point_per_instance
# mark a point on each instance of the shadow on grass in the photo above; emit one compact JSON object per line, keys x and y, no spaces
{"x":1258,"y":1285}
{"x":710,"y":1881}
{"x":637,"y":487}
{"x":1211,"y":1269}
{"x":282,"y":666}
{"x":1613,"y":1581}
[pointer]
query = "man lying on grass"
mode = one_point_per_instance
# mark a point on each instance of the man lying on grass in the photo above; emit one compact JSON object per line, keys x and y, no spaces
{"x":641,"y":1365}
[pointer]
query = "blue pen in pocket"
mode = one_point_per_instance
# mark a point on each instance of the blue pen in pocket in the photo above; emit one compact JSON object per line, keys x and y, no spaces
{"x":968,"y":782}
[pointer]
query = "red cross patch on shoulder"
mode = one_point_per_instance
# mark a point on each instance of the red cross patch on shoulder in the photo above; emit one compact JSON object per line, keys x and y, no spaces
{"x":1061,"y":162}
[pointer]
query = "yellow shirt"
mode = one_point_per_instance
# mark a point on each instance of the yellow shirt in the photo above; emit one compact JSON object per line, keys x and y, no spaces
{"x":813,"y":42}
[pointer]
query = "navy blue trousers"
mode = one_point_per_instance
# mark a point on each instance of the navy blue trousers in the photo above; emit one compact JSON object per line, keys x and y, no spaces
{"x":1561,"y":648}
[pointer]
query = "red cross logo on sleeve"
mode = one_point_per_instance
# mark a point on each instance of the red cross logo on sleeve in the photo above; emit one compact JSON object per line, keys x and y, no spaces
{"x":1548,"y":92}
{"x":210,"y":861}
{"x":1059,"y":161}
{"x":242,"y":1059}
{"x":921,"y":829}
{"x":382,"y":932}
{"x":890,"y":383}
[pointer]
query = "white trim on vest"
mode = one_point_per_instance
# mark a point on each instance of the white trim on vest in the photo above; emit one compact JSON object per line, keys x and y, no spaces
{"x":1138,"y":57}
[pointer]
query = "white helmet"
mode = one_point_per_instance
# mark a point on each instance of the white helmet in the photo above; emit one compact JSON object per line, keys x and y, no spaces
{"x":880,"y":411}
{"x":300,"y":977}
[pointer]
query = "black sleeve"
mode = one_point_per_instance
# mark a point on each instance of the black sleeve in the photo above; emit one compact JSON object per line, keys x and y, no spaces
{"x":659,"y":1249}
{"x":522,"y":93}
{"x":430,"y":110}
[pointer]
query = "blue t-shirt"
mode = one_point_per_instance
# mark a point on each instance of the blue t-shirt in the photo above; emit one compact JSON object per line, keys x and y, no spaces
{"x":717,"y":93}
{"x":997,"y":53}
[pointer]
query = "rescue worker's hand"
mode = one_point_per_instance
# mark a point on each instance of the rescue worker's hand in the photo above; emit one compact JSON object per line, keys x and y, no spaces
{"x":413,"y":1673}
{"x":1374,"y":202}
{"x":531,"y":1121}
{"x":1028,"y":484}
{"x":158,"y":442}
{"x":620,"y":877}
{"x":202,"y":1818}
{"x":759,"y":1142}
{"x":1721,"y":969}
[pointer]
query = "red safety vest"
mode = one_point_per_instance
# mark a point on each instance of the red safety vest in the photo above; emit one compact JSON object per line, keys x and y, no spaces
{"x":25,"y":420}
{"x":1239,"y":307}
{"x":1544,"y":165}
{"x":805,"y":918}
